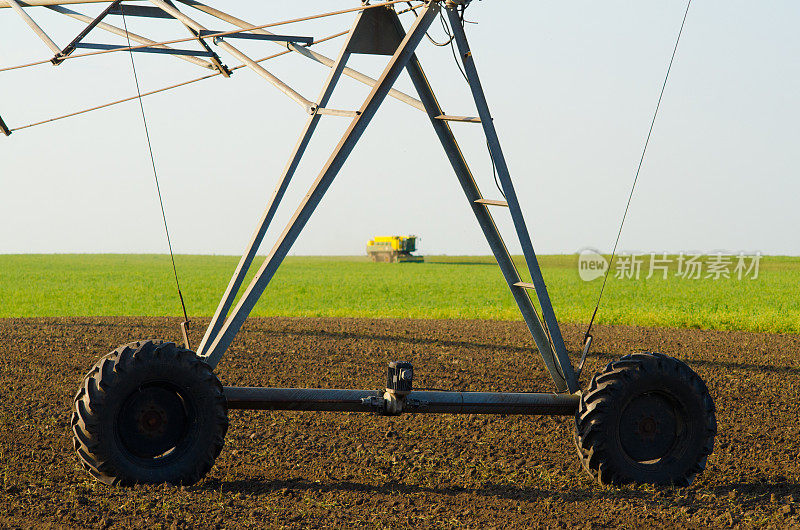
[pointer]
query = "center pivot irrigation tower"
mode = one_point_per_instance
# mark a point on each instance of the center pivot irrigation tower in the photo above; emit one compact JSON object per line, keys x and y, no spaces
{"x":152,"y":411}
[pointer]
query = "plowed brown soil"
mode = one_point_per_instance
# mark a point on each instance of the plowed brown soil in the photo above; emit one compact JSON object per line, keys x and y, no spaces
{"x":357,"y":470}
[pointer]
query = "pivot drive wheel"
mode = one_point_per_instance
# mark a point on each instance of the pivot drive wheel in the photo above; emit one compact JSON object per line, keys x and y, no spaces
{"x":646,"y":419}
{"x":149,"y":412}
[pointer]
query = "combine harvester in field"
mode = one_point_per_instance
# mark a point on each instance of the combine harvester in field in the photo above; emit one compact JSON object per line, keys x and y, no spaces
{"x":393,"y":249}
{"x":153,"y":411}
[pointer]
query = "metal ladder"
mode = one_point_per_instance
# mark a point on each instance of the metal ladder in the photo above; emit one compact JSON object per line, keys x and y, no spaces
{"x":379,"y":31}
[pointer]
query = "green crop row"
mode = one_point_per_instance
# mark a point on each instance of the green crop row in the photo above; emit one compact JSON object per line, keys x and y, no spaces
{"x":469,"y":287}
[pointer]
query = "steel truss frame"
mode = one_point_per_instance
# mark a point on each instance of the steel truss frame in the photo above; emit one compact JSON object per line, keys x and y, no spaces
{"x":168,"y":9}
{"x":376,"y":30}
{"x":226,"y":322}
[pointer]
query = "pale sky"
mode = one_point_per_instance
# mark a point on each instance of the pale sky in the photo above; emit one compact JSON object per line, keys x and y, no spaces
{"x":572,"y":86}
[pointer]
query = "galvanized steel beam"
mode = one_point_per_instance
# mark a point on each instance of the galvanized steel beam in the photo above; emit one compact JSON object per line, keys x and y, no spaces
{"x":167,"y":51}
{"x":35,"y":3}
{"x":305,"y":52}
{"x":485,"y":220}
{"x":121,"y":32}
{"x":55,"y":48}
{"x":416,"y":402}
{"x":69,"y":48}
{"x":504,"y":176}
{"x":357,"y":126}
{"x":280,"y":189}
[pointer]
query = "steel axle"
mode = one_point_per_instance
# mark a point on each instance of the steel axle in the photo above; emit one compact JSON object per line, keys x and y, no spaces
{"x":416,"y":402}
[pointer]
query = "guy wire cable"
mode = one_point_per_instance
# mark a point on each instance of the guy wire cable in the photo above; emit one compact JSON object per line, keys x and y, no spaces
{"x":588,"y":334}
{"x":155,"y":174}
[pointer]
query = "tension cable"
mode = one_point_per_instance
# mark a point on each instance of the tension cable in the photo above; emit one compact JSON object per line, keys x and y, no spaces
{"x":587,"y":338}
{"x":185,"y":323}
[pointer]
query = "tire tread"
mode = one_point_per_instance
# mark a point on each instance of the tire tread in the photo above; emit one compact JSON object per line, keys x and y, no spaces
{"x":105,"y":375}
{"x":592,"y":450}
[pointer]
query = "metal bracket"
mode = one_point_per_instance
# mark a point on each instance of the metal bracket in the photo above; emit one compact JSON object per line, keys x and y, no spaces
{"x":586,"y":345}
{"x":256,"y":36}
{"x":132,"y":10}
{"x":185,"y":333}
{"x":377,"y":403}
{"x":215,"y":59}
{"x":166,"y":51}
{"x":69,"y":48}
{"x":375,"y":33}
{"x":4,"y":128}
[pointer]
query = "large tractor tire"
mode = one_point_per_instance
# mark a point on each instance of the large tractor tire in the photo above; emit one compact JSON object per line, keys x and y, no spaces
{"x":647,"y":419}
{"x":149,"y":412}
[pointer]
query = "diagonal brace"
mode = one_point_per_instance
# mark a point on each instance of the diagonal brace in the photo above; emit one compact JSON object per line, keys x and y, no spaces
{"x":34,"y":26}
{"x":485,"y":220}
{"x":302,"y":50}
{"x":315,"y":194}
{"x":69,"y":48}
{"x":257,"y":68}
{"x":4,"y":128}
{"x":214,"y":58}
{"x":551,"y":322}
{"x":280,"y":189}
{"x":122,"y":33}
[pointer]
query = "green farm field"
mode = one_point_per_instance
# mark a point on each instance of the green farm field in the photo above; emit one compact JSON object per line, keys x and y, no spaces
{"x":444,"y":287}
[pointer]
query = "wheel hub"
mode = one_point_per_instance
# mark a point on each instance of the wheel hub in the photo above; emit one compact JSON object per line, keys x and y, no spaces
{"x":649,"y":427}
{"x":153,"y":421}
